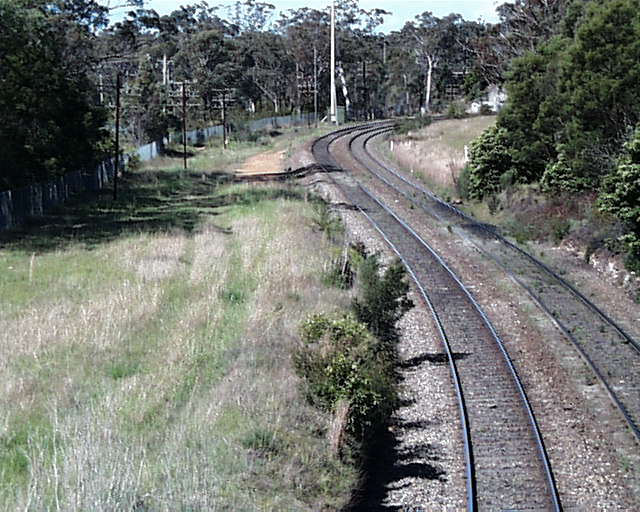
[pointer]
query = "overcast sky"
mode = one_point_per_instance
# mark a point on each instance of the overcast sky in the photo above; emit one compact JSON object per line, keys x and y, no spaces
{"x":402,"y":10}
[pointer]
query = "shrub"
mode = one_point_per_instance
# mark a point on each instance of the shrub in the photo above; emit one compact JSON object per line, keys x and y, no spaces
{"x":340,"y":362}
{"x":456,"y":110}
{"x":347,"y":362}
{"x":559,"y":176}
{"x":559,"y":229}
{"x":489,"y":158}
{"x":383,"y":298}
{"x":412,"y":124}
{"x":621,"y":197}
{"x":461,"y":183}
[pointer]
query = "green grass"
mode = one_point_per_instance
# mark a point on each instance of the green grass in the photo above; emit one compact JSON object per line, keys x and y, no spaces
{"x":30,"y":276}
{"x":14,"y":447}
{"x":145,"y":352}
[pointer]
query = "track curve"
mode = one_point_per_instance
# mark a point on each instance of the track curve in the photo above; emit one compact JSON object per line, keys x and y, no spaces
{"x":507,"y":465}
{"x":612,"y":354}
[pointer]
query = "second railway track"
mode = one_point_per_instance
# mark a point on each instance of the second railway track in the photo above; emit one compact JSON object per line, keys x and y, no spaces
{"x":612,"y":354}
{"x":507,"y":465}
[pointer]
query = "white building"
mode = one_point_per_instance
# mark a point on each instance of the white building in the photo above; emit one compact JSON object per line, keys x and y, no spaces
{"x":494,"y":98}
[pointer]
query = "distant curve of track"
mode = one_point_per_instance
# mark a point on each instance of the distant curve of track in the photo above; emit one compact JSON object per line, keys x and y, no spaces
{"x":507,"y":465}
{"x":612,"y":353}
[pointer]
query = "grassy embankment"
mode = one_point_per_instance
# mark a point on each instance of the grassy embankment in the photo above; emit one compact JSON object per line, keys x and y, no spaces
{"x":145,"y":350}
{"x":435,"y":154}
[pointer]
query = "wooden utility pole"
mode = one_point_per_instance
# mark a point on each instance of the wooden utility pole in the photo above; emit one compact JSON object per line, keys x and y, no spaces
{"x":117,"y":148}
{"x":225,"y":141}
{"x":315,"y":84}
{"x":184,"y":124}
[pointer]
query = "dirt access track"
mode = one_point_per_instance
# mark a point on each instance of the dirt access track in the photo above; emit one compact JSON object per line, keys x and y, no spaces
{"x":270,"y":162}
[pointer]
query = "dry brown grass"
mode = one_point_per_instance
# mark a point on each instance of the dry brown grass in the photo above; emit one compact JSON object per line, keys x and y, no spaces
{"x":437,"y":151}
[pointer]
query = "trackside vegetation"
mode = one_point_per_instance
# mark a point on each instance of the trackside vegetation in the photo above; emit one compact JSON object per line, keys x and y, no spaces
{"x":146,"y":352}
{"x":621,"y":197}
{"x":571,"y":118}
{"x":348,"y":360}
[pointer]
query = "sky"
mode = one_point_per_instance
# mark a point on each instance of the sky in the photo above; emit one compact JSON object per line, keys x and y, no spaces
{"x":403,"y":10}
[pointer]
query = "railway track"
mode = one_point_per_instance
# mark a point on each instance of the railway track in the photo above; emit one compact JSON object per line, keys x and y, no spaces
{"x":612,"y":354}
{"x":507,"y":467}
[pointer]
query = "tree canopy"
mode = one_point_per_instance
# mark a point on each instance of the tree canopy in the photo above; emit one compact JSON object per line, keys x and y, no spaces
{"x":59,"y":61}
{"x":574,"y":103}
{"x":50,"y":120}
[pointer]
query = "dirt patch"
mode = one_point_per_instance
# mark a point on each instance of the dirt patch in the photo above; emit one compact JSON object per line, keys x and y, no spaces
{"x":302,"y":157}
{"x":268,"y":162}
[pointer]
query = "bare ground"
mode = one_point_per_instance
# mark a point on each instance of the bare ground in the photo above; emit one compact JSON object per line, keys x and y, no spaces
{"x":268,"y":162}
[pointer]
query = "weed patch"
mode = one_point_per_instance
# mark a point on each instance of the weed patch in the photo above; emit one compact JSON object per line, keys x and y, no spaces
{"x":347,"y":360}
{"x":124,"y":369}
{"x":264,"y":441}
{"x":326,"y":221}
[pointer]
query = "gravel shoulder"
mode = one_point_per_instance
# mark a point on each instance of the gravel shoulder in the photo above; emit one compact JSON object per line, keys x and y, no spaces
{"x":423,"y":466}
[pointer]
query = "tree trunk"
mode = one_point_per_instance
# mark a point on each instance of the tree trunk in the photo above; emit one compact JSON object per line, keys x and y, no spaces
{"x":345,"y":91}
{"x":406,"y":92}
{"x":427,"y":91}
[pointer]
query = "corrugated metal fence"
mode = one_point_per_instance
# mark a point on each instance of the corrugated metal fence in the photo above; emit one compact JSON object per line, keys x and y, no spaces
{"x":32,"y":201}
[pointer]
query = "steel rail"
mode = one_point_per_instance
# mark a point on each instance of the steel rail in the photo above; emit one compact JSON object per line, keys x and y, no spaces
{"x":470,"y":469}
{"x":613,"y":396}
{"x":471,"y":489}
{"x":506,"y":242}
{"x":527,"y":404}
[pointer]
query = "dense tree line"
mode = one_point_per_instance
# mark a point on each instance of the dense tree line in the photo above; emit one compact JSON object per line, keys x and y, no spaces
{"x":573,"y":110}
{"x":59,"y":60}
{"x":50,"y":120}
